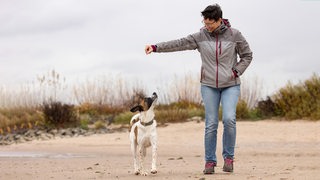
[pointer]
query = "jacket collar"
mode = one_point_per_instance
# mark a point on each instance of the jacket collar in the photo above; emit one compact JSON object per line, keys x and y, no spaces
{"x":225,"y":24}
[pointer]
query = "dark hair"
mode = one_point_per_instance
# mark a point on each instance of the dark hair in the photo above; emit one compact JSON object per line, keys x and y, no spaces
{"x":212,"y":12}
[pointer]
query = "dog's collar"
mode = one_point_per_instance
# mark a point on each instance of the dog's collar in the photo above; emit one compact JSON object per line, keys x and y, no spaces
{"x":148,"y":123}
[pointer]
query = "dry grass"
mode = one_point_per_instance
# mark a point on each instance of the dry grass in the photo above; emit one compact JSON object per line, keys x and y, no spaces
{"x":16,"y":119}
{"x":110,"y":97}
{"x":110,"y":94}
{"x":110,"y":90}
{"x":251,"y":91}
{"x":182,"y":89}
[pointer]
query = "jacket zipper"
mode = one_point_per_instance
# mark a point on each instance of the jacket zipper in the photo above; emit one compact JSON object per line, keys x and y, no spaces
{"x":217,"y":60}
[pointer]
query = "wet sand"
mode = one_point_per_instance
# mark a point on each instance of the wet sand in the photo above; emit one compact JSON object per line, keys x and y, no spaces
{"x":264,"y":150}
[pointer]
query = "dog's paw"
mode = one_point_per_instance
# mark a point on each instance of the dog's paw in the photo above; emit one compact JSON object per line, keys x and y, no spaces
{"x":144,"y":174}
{"x":154,"y":171}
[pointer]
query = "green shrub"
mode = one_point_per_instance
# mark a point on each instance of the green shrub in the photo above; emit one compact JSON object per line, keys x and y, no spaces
{"x":99,"y":124}
{"x":98,"y":109}
{"x":316,"y":113}
{"x":254,"y":114}
{"x":123,"y":118}
{"x":172,"y":115}
{"x":84,"y":124}
{"x":299,"y":101}
{"x":312,"y":86}
{"x":242,"y":110}
{"x":196,"y":112}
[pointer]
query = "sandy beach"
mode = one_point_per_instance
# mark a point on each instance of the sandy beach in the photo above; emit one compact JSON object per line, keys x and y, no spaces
{"x":265,"y":150}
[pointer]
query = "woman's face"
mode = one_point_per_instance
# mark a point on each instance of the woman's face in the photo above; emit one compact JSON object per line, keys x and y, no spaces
{"x":211,"y":25}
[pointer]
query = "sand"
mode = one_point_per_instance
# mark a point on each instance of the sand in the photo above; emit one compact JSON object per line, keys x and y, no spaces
{"x":264,"y":150}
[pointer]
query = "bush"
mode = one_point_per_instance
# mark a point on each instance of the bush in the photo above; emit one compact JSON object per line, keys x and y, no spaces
{"x":196,"y":112}
{"x":99,"y":124}
{"x":84,"y":124}
{"x":123,"y":118}
{"x":242,"y":110}
{"x":266,"y":108}
{"x":300,"y":101}
{"x":98,"y":109}
{"x":172,"y":115}
{"x":59,"y":115}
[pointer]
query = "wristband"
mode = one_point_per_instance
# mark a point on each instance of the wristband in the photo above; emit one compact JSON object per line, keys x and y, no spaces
{"x":154,"y":48}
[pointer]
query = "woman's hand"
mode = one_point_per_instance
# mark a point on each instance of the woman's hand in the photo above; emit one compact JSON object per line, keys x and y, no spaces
{"x":149,"y":49}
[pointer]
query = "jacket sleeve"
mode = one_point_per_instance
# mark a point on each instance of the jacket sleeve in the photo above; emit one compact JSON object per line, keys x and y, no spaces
{"x":244,"y":52}
{"x":186,"y":43}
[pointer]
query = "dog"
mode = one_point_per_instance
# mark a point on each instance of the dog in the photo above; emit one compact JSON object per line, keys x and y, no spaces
{"x":143,"y":134}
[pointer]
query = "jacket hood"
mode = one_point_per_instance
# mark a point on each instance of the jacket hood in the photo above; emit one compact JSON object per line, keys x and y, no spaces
{"x":225,"y":24}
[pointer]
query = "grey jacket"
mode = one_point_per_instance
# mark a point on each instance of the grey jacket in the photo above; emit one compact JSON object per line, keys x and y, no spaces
{"x":218,"y":51}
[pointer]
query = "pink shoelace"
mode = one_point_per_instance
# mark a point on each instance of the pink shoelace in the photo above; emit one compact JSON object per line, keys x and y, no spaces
{"x":228,"y":161}
{"x":210,"y":164}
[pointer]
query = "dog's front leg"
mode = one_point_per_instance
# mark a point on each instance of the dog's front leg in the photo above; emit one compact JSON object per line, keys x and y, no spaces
{"x":154,"y":154}
{"x":135,"y":160}
{"x":142,"y":151}
{"x":134,"y":151}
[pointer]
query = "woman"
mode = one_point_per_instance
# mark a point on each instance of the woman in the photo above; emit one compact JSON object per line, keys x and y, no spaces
{"x":219,"y":45}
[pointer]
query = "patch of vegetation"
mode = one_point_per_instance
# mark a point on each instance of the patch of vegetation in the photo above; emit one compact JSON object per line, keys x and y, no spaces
{"x":19,"y":119}
{"x":123,"y":118}
{"x":108,"y":99}
{"x":59,"y":115}
{"x":299,"y":101}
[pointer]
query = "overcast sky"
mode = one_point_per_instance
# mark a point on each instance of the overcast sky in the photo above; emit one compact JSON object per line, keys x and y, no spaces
{"x":82,"y":39}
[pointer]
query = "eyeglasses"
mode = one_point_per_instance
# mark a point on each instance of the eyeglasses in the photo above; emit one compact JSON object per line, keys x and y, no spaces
{"x":208,"y":24}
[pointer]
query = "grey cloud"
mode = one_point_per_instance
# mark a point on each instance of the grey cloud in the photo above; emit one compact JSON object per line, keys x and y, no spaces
{"x":79,"y":37}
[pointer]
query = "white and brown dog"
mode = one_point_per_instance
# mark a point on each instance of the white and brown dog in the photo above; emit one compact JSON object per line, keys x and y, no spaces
{"x":143,"y":134}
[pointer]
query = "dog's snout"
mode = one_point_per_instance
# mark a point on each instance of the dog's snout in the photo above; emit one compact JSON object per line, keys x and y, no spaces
{"x":148,"y":101}
{"x":154,"y":95}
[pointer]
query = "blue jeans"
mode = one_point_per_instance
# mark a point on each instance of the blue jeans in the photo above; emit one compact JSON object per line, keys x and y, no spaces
{"x":229,"y":98}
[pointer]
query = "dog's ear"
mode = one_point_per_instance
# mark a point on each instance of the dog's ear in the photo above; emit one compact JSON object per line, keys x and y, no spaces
{"x":136,"y":108}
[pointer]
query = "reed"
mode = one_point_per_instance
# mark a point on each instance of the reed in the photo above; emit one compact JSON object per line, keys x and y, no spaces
{"x":110,"y":97}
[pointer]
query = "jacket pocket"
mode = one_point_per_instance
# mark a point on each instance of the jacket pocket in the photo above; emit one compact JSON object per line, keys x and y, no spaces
{"x":203,"y":75}
{"x":231,"y":75}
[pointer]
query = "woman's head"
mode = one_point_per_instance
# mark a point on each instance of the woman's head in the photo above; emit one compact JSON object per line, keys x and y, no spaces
{"x":212,"y":12}
{"x":212,"y":16}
